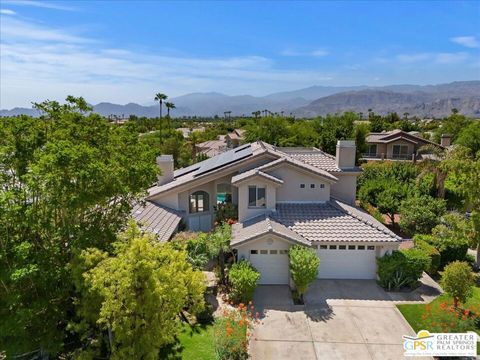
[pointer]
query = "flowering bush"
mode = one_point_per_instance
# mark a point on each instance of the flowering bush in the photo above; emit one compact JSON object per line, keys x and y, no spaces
{"x":231,"y":333}
{"x":444,"y":317}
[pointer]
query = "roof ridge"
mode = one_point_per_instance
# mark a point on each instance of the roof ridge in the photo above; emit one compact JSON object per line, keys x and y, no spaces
{"x":365,"y":221}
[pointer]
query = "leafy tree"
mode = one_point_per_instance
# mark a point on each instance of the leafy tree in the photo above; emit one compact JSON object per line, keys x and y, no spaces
{"x":420,"y":214}
{"x":68,"y":181}
{"x":243,"y":277}
{"x":143,"y":286}
{"x":304,"y":264}
{"x":450,"y":237}
{"x":470,"y":137}
{"x":458,"y":281}
{"x":389,"y":200}
{"x":452,"y":125}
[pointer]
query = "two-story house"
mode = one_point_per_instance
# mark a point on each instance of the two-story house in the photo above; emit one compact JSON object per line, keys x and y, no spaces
{"x":398,"y":145}
{"x":285,"y":196}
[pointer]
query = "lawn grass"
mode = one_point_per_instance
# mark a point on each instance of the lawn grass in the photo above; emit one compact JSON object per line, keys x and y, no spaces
{"x":413,"y":312}
{"x":194,"y":343}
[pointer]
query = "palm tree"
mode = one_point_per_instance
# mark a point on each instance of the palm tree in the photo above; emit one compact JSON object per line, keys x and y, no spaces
{"x":160,"y":98}
{"x":405,"y":115}
{"x":169,"y":106}
{"x":433,"y":164}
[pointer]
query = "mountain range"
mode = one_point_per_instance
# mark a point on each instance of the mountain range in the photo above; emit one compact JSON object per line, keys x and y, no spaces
{"x":423,"y":101}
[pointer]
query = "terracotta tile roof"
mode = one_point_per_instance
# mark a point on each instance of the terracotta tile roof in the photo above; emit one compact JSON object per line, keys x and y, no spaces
{"x":263,"y":225}
{"x":255,"y":172}
{"x":332,"y":221}
{"x":157,"y":219}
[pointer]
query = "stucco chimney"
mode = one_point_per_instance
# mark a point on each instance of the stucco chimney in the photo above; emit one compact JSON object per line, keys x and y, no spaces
{"x":446,"y":140}
{"x":165,"y":163}
{"x":345,"y":158}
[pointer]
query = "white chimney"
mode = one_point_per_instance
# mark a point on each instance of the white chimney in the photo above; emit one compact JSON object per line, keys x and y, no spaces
{"x":165,"y":163}
{"x":446,"y":140}
{"x":345,"y":157}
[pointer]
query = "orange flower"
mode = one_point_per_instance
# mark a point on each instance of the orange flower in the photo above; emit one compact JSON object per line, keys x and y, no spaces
{"x":443,"y":305}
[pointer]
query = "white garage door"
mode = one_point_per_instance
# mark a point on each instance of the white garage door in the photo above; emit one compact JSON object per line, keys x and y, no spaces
{"x":347,"y":262}
{"x":272,"y":265}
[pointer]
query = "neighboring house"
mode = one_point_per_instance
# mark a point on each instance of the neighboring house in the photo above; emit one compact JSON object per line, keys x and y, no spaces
{"x":187,"y":131}
{"x":211,"y":148}
{"x":398,"y":145}
{"x":235,"y":138}
{"x":285,"y":196}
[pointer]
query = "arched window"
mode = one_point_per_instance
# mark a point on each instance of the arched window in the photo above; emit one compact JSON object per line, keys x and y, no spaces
{"x":199,"y":202}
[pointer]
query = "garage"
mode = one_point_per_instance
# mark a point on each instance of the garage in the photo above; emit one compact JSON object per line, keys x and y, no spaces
{"x":272,"y":265}
{"x":347,"y":261}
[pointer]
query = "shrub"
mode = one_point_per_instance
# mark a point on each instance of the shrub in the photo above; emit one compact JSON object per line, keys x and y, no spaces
{"x":225,"y":212}
{"x":243,"y":278}
{"x":458,"y":281}
{"x":451,"y":247}
{"x":196,"y":246}
{"x":431,"y":251}
{"x":304,"y":264}
{"x":231,"y":333}
{"x":402,"y":268}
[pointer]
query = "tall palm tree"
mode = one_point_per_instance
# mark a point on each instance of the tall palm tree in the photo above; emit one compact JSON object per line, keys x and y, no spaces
{"x":433,"y":164}
{"x":160,"y":98}
{"x":169,"y":106}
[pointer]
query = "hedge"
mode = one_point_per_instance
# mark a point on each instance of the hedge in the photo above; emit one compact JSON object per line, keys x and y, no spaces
{"x":432,"y":252}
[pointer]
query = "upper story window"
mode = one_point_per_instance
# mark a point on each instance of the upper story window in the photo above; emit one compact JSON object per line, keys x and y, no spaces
{"x":302,"y":186}
{"x":322,"y":186}
{"x":256,"y":196}
{"x":199,"y":202}
{"x":312,"y":186}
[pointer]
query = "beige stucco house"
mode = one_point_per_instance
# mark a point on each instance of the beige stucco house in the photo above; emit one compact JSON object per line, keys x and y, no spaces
{"x":285,"y":196}
{"x":398,"y":145}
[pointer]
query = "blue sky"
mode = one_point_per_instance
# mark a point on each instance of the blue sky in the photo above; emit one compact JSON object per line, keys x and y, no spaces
{"x":126,"y":51}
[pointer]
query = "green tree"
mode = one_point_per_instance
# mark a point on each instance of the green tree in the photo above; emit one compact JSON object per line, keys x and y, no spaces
{"x":143,"y":286}
{"x":420,"y":214}
{"x":68,"y":181}
{"x":304,"y":264}
{"x":219,"y":246}
{"x":390,"y":199}
{"x":470,"y":137}
{"x":458,"y":281}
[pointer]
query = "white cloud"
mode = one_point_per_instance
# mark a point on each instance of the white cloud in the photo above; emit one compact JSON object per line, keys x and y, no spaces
{"x":7,"y":12}
{"x":40,"y":62}
{"x":40,"y":4}
{"x":467,"y":41}
{"x":314,"y":53}
{"x":438,"y":58}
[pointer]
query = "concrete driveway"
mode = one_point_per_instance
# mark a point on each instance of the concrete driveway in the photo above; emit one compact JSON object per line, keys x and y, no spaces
{"x":341,"y":319}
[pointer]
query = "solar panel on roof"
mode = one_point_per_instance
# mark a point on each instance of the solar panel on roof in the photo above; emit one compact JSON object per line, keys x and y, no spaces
{"x":224,"y":159}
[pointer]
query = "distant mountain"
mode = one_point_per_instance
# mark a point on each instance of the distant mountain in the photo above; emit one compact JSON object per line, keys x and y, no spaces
{"x":423,"y":101}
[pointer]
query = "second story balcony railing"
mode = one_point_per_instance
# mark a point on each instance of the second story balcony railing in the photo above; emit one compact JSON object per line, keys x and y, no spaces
{"x":382,"y":156}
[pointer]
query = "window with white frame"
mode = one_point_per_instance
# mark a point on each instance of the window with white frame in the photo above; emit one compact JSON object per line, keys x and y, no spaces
{"x":400,"y":151}
{"x":257,"y":196}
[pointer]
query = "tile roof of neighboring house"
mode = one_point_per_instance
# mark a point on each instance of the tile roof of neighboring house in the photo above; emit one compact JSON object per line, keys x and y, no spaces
{"x":255,"y":172}
{"x":211,"y":144}
{"x":389,"y":136}
{"x":157,"y":219}
{"x":332,"y":221}
{"x":263,"y":225}
{"x":313,"y":156}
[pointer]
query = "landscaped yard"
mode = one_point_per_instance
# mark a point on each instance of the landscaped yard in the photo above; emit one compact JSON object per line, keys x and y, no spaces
{"x":415,"y":313}
{"x":194,"y":343}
